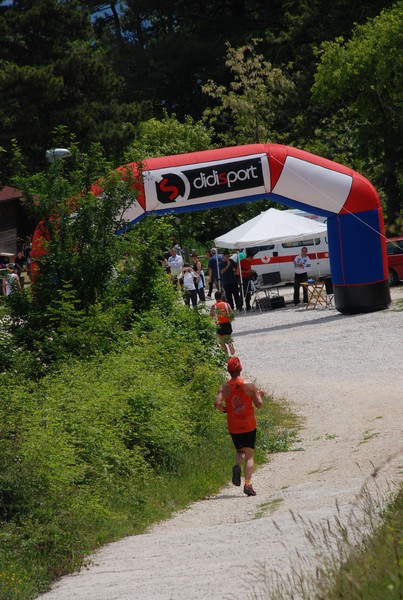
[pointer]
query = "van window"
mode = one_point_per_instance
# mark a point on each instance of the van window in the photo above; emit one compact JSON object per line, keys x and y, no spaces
{"x":301,"y":243}
{"x":252,"y":251}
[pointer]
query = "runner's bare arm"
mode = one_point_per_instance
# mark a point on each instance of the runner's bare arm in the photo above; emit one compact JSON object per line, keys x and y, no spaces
{"x":220,"y":399}
{"x":256,"y":395}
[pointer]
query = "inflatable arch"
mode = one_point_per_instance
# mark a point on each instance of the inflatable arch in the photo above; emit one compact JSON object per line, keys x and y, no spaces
{"x":214,"y":178}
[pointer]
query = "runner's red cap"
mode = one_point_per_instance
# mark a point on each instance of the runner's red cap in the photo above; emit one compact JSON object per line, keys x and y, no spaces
{"x":234,"y":364}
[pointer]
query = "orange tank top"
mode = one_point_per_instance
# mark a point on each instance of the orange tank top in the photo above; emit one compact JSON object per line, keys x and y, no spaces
{"x":240,"y":412}
{"x":222,"y":311}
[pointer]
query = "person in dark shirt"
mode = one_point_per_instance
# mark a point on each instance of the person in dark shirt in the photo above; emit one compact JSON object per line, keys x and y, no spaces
{"x":229,"y":281}
{"x":20,"y":265}
{"x":213,"y":271}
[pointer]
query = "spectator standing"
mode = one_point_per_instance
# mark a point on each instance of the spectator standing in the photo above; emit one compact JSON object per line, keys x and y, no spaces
{"x":238,"y":398}
{"x":20,"y":266}
{"x":213,"y":271}
{"x":175,"y":264}
{"x":200,"y":283}
{"x":246,"y":272}
{"x":175,"y":244}
{"x":28,"y":262}
{"x":189,"y":285}
{"x":229,"y":280}
{"x":11,"y":281}
{"x":223,"y":314}
{"x":302,"y":264}
{"x":164,"y":261}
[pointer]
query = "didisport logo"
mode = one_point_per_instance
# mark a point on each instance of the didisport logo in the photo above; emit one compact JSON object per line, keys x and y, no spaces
{"x":227,"y":177}
{"x":208,"y":180}
{"x":172,"y":187}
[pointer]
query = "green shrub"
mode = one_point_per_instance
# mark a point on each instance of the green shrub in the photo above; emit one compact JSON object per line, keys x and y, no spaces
{"x":80,"y":446}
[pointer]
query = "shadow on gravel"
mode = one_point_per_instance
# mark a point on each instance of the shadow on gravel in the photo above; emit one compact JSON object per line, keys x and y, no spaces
{"x":226,"y":497}
{"x":284,"y":327}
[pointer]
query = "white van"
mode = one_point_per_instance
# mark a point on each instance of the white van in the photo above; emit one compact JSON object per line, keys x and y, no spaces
{"x":274,"y":262}
{"x":278,"y":259}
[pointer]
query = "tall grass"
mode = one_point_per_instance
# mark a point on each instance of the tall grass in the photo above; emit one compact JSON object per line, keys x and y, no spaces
{"x":355,"y":555}
{"x":373,"y":569}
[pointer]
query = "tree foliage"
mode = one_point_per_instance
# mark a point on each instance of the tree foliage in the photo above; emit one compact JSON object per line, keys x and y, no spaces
{"x":53,"y":72}
{"x":104,"y":69}
{"x":79,"y":242}
{"x":364,"y":74}
{"x":252,"y":109}
{"x":166,"y":136}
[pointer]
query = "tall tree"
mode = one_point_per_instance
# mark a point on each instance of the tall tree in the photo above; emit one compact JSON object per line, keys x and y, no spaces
{"x":78,"y":242}
{"x":364,"y":74}
{"x":53,"y":72}
{"x":253,"y":108}
{"x":166,"y":51}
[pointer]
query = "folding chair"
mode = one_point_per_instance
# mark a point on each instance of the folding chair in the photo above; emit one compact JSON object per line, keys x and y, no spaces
{"x":251,"y":289}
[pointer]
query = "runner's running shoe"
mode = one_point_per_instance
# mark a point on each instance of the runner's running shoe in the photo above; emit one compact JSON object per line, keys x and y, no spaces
{"x":236,"y":475}
{"x":248,"y":490}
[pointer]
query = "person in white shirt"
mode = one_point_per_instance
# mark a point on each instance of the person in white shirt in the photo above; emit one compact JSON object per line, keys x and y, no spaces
{"x":302,"y":264}
{"x":189,"y":285}
{"x":175,"y":264}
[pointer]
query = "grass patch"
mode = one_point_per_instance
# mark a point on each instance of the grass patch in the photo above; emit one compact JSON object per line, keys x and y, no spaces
{"x":374,"y":570}
{"x":278,"y":427}
{"x":328,"y":436}
{"x":368,"y":435}
{"x":321,"y":470}
{"x":267,"y":507}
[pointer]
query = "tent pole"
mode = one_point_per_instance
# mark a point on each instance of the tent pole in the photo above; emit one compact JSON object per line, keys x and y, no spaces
{"x":317,"y":260}
{"x":218,"y":270}
{"x":241,"y":282}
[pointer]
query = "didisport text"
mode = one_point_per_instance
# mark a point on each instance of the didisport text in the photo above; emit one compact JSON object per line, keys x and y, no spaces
{"x":226,"y":178}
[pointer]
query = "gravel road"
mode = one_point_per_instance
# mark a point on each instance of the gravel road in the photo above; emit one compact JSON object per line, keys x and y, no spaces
{"x":344,"y":376}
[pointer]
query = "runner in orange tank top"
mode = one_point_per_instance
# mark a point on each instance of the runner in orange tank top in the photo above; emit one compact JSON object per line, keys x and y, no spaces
{"x":223,"y":314}
{"x":238,"y":399}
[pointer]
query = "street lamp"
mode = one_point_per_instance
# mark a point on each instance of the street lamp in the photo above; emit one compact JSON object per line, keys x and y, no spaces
{"x":54,"y":153}
{"x":178,"y":223}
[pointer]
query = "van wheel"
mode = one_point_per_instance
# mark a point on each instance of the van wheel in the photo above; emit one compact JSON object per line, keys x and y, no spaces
{"x":392,"y":277}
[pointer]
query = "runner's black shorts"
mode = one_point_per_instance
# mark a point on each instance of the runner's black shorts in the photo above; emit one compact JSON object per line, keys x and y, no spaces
{"x":224,"y":329}
{"x":244,"y":440}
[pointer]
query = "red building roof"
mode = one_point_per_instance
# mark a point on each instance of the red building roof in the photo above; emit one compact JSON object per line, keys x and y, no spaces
{"x":9,"y":193}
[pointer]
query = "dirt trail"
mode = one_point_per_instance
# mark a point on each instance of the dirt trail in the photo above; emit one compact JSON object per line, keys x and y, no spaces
{"x":344,"y":376}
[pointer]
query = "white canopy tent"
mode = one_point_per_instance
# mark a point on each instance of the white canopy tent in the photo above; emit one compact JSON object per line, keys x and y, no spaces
{"x":269,"y":227}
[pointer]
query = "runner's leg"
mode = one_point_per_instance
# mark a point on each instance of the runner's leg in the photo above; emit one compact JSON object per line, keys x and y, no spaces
{"x":249,"y":462}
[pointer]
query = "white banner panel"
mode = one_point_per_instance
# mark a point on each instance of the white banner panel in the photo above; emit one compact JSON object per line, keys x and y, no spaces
{"x":312,"y":184}
{"x":203,"y":183}
{"x":133,"y":213}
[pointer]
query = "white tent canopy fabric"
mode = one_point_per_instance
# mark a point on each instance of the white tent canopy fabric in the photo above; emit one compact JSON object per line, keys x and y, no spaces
{"x":270,"y":226}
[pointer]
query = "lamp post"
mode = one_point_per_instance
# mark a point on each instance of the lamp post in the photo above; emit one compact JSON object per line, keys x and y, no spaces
{"x":54,"y":153}
{"x":178,"y":224}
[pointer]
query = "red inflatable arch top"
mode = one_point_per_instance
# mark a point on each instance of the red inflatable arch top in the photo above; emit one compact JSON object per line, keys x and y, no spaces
{"x":214,"y":178}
